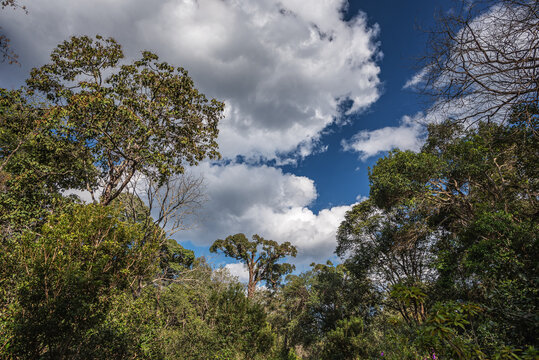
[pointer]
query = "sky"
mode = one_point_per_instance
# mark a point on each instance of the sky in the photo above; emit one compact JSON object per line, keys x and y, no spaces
{"x":315,"y":92}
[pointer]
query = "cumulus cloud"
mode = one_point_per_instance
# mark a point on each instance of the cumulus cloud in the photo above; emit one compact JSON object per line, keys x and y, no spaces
{"x":409,"y":135}
{"x":268,"y":202}
{"x":282,"y":67}
{"x":238,"y":270}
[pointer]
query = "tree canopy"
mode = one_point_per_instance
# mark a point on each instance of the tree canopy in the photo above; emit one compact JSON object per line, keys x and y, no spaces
{"x":453,"y":229}
{"x":145,"y":117}
{"x":440,"y":262}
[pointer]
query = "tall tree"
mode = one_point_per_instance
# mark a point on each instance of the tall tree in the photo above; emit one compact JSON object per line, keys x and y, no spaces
{"x":146,"y":117}
{"x":260,"y":256}
{"x":101,"y":125}
{"x":392,"y":248}
{"x":464,"y":211}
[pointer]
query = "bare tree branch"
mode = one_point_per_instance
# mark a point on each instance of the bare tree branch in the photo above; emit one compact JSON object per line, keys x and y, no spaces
{"x":174,"y":205}
{"x":483,"y":61}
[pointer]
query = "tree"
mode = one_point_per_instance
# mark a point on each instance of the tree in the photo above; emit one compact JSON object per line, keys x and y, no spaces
{"x":262,"y":266}
{"x":203,"y":316}
{"x":5,"y":50}
{"x":63,"y":264}
{"x":310,"y":306}
{"x":290,"y":315}
{"x":346,"y":341}
{"x":73,"y":268}
{"x":145,"y":117}
{"x":340,"y":293}
{"x":173,"y":258}
{"x":462,"y":214}
{"x":483,"y":61}
{"x":172,"y":205}
{"x":36,"y":163}
{"x":449,"y":237}
{"x":392,"y":248}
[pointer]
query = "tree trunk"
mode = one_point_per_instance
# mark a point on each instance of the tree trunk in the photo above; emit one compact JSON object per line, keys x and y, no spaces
{"x":251,"y":286}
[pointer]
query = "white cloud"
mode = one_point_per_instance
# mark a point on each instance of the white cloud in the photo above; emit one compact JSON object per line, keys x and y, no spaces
{"x":409,"y":135}
{"x":417,"y":78}
{"x":313,"y":234}
{"x":265,"y":201}
{"x":361,"y":198}
{"x":280,"y":66}
{"x":239,"y":270}
{"x":84,"y":195}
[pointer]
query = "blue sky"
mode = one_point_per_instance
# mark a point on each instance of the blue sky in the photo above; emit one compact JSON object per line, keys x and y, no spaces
{"x":341,"y":175}
{"x":293,"y":163}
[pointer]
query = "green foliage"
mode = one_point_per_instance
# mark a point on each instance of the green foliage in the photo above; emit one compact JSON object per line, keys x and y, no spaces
{"x":339,"y":294}
{"x":290,"y":315}
{"x":411,"y":301}
{"x":346,"y":341}
{"x":445,"y":330}
{"x":175,"y":258}
{"x":311,"y":311}
{"x":450,"y":235}
{"x":401,"y":175}
{"x":204,"y":316}
{"x":77,"y":299}
{"x":36,"y":163}
{"x":146,"y":117}
{"x":71,"y":270}
{"x":394,"y":247}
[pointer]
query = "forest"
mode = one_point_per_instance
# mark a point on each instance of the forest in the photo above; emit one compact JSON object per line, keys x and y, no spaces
{"x":440,"y":262}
